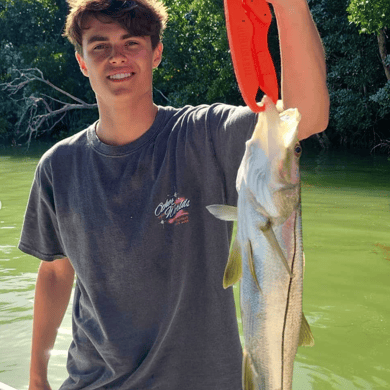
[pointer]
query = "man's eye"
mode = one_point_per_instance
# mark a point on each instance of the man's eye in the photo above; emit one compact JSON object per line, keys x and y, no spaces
{"x":131,"y":43}
{"x":100,"y":47}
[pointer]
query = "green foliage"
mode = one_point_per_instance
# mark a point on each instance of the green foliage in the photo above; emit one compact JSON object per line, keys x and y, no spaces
{"x":196,"y":66}
{"x":30,"y":37}
{"x":355,"y":74}
{"x":22,"y":21}
{"x":370,"y":15}
{"x":373,"y":17}
{"x":382,"y":98}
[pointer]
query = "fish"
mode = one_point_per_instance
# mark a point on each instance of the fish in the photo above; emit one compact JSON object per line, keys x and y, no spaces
{"x":267,"y":254}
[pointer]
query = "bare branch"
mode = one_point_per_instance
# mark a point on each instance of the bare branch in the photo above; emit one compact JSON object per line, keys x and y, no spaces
{"x":43,"y":102}
{"x":384,"y":144}
{"x":160,"y":92}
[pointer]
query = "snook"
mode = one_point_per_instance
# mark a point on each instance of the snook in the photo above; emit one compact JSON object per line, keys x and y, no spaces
{"x":267,"y":253}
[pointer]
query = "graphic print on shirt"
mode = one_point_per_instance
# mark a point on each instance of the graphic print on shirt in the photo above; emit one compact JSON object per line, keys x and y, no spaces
{"x":174,"y":210}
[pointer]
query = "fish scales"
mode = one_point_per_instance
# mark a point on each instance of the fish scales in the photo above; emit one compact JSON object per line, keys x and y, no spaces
{"x":267,"y":254}
{"x":271,"y":319}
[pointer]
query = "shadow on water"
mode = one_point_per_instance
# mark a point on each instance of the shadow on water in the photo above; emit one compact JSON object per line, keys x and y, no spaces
{"x":311,"y":377}
{"x":34,"y":150}
{"x":346,"y":168}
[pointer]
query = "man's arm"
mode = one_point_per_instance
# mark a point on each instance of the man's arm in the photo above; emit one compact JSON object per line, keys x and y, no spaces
{"x":52,"y":293}
{"x":303,"y":65}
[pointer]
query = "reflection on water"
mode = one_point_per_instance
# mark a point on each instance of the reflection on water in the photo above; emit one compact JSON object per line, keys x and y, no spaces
{"x":346,"y":226}
{"x":312,"y":377}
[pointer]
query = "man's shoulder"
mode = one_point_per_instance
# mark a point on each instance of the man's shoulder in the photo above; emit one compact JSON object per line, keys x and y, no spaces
{"x":66,"y":148}
{"x":197,"y":108}
{"x":76,"y":141}
{"x":215,"y":111}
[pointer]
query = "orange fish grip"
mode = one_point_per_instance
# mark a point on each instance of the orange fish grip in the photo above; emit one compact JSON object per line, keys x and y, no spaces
{"x":247,"y":23}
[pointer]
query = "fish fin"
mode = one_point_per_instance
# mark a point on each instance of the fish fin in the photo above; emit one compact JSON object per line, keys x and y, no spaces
{"x":306,"y":338}
{"x":233,"y":270}
{"x":248,"y":376}
{"x":271,"y":238}
{"x":223,"y":212}
{"x":252,"y":269}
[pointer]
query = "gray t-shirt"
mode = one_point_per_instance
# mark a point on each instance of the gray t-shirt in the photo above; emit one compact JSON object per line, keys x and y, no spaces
{"x":149,"y":308}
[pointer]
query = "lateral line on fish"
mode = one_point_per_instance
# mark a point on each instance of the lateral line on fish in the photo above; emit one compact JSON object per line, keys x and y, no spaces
{"x":270,"y":236}
{"x":288,"y":297}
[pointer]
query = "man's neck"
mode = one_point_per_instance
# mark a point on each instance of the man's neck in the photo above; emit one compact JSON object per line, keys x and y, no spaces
{"x":124,"y":123}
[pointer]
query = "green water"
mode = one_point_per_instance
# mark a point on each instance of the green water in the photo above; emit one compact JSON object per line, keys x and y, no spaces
{"x":346,"y":222}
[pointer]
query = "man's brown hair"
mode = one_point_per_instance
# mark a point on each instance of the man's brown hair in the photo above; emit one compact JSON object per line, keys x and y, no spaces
{"x":139,"y":18}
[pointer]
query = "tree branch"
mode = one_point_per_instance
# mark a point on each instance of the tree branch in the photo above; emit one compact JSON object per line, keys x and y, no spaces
{"x":383,"y":51}
{"x":33,"y":104}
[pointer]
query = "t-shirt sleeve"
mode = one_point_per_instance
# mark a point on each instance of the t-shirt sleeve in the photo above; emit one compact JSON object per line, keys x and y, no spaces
{"x":230,"y":127}
{"x":40,"y":233}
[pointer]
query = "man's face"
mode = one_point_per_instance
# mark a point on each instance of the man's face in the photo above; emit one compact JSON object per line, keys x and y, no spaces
{"x":118,"y":65}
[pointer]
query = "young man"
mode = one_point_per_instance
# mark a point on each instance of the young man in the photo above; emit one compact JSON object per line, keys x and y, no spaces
{"x":122,"y":205}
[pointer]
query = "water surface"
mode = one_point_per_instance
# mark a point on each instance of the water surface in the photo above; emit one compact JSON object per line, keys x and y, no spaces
{"x":346,"y":222}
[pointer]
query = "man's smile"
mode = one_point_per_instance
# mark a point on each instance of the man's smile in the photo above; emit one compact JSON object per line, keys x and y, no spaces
{"x":121,"y":76}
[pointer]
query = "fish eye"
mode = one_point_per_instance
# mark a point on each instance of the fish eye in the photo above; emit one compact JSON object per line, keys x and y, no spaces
{"x":298,"y":150}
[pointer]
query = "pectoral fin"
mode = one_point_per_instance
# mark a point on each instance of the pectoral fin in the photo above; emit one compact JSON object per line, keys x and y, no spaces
{"x":306,"y":338}
{"x":223,"y":212}
{"x":233,"y":270}
{"x":271,"y":238}
{"x":251,"y":263}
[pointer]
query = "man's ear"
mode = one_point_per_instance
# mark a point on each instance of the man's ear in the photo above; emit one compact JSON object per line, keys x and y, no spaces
{"x":157,"y":55}
{"x":82,"y":65}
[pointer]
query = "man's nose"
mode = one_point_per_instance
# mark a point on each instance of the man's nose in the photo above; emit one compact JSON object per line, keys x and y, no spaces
{"x":117,"y":56}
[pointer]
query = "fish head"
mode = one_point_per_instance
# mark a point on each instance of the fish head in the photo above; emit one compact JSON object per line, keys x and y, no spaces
{"x":269,"y":171}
